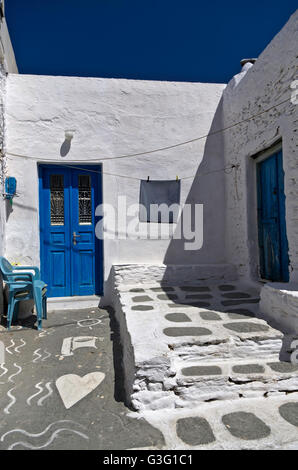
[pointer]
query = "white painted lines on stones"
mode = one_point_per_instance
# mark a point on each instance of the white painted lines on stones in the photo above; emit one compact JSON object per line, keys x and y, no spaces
{"x":36,"y":353}
{"x":73,"y":343}
{"x":40,"y":356}
{"x":4,"y":369}
{"x":45,"y":333}
{"x":12,"y":344}
{"x":40,"y":388}
{"x":47,"y":355}
{"x":72,"y":388}
{"x":17,"y":349}
{"x":47,"y":443}
{"x":17,"y":373}
{"x":70,"y":428}
{"x":88,"y":322}
{"x":28,"y":434}
{"x":12,"y":402}
{"x":50,"y":392}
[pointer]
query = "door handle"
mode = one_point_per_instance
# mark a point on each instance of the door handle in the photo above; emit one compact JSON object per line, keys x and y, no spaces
{"x":74,"y":238}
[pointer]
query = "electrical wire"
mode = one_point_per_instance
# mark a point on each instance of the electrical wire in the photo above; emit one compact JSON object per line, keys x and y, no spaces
{"x":170,"y":146}
{"x":79,"y":167}
{"x":186,"y":142}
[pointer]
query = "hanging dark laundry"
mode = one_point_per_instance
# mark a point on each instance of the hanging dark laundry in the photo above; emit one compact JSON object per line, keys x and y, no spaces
{"x":156,"y":193}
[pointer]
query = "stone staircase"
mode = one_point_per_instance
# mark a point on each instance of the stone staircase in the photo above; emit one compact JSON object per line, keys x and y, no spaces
{"x":199,"y":342}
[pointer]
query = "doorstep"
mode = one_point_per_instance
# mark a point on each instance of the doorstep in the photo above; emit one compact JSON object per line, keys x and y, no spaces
{"x":72,"y":303}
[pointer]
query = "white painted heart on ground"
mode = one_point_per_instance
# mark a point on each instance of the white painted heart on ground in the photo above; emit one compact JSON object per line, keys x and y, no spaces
{"x":72,"y":388}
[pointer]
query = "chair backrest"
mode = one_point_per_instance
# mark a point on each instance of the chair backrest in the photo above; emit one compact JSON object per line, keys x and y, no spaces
{"x":5,"y":267}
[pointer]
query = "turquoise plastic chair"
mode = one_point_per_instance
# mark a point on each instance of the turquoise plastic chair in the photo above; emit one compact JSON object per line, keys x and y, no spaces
{"x":24,"y":285}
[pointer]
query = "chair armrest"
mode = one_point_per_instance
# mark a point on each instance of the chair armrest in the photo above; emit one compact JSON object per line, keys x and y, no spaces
{"x":29,"y":276}
{"x":11,"y":277}
{"x":28,"y":268}
{"x":22,"y":277}
{"x":15,"y":283}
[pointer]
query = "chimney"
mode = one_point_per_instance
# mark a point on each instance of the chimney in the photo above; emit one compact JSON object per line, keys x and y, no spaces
{"x":246,"y":64}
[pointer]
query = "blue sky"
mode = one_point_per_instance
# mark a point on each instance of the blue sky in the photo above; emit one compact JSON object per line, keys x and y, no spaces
{"x":185,"y":40}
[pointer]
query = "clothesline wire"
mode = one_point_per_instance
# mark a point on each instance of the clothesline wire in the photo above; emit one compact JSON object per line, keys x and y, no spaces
{"x":98,"y":160}
{"x":65,"y":165}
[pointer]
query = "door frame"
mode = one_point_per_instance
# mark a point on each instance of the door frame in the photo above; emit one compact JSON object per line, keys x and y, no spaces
{"x":99,"y":251}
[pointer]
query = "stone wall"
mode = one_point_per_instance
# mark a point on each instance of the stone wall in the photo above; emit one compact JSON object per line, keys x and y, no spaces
{"x":2,"y":162}
{"x":7,"y":65}
{"x":2,"y":173}
{"x":111,"y":118}
{"x":263,"y":86}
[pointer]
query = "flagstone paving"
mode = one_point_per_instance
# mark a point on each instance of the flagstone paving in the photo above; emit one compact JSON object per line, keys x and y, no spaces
{"x":219,"y":348}
{"x":251,"y":423}
{"x":33,"y":412}
{"x":82,"y":349}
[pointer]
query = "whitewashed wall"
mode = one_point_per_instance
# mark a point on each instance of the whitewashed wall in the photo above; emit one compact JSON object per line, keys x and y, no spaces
{"x":264,"y":85}
{"x":7,"y":64}
{"x":6,"y":50}
{"x":115,"y":117}
{"x":2,"y":143}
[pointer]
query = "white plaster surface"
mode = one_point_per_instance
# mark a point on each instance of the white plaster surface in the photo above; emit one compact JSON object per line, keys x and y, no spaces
{"x":134,"y":274}
{"x":264,"y":85}
{"x":154,"y":362}
{"x":110,"y":118}
{"x":7,"y":64}
{"x":2,"y":202}
{"x":72,"y":303}
{"x":6,"y":50}
{"x":279,"y":302}
{"x":283,"y":435}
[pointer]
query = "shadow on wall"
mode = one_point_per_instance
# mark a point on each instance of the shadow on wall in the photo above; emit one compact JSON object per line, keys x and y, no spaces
{"x":208,"y":188}
{"x":9,"y":208}
{"x":65,"y":148}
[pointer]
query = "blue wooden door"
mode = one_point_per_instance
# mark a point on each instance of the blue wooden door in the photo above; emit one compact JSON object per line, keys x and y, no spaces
{"x":71,"y":255}
{"x":273,"y":244}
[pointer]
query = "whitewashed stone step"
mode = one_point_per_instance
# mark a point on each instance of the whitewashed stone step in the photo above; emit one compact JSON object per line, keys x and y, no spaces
{"x":166,"y":329}
{"x":208,"y":382}
{"x":254,"y":423}
{"x":193,"y":384}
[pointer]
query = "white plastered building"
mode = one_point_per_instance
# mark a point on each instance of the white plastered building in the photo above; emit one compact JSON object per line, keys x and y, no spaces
{"x":55,"y":130}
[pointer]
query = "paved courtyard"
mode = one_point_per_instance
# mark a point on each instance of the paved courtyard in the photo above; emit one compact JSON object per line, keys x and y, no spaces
{"x":63,"y":387}
{"x":37,"y":412}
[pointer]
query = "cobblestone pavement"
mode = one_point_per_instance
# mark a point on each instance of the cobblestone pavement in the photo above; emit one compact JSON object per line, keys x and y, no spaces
{"x":196,"y":343}
{"x":210,"y":371}
{"x":84,"y":409}
{"x":251,"y":423}
{"x":62,"y":388}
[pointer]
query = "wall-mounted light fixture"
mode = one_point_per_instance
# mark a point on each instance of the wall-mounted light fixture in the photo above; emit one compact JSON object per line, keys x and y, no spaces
{"x":69,"y":133}
{"x":10,"y":188}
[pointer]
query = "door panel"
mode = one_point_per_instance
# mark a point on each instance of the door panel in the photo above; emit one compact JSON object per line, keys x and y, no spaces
{"x":83,"y":235}
{"x":271,"y":220}
{"x":54,"y":231}
{"x":69,"y":248}
{"x":57,"y":267}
